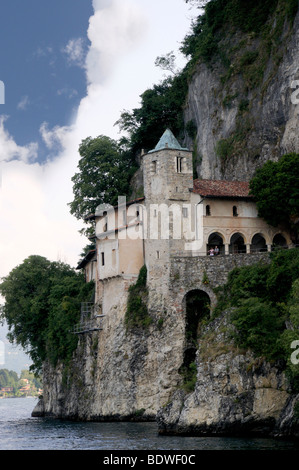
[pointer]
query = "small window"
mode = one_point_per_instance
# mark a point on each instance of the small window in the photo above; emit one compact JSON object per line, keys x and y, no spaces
{"x":137,"y":214}
{"x":113,"y":257}
{"x":105,"y":227}
{"x":154,"y":166}
{"x":158,"y":254}
{"x":155,"y":212}
{"x":103,"y":259}
{"x":124,"y":217}
{"x":179,"y":164}
{"x":208,"y":210}
{"x":185,"y":211}
{"x":235,"y":211}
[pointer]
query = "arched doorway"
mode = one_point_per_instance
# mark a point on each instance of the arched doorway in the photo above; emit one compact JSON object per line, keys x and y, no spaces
{"x":237,"y":244}
{"x":215,"y":239}
{"x":279,"y":242}
{"x":197,"y":308}
{"x":258,"y":243}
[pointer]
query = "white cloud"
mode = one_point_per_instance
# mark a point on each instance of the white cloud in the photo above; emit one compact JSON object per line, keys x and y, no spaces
{"x":9,"y":150}
{"x":68,"y":92}
{"x":75,"y":52}
{"x":115,"y":27}
{"x":126,"y":36}
{"x":57,"y":136}
{"x":24,"y":103}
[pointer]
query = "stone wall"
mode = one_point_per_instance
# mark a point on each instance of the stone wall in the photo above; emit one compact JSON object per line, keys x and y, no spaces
{"x":206,"y":273}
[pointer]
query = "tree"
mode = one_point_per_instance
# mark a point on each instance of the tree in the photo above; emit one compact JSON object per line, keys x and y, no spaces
{"x":275,"y":188}
{"x":167,"y":62}
{"x":161,"y":108}
{"x":105,"y":170}
{"x":39,"y":296}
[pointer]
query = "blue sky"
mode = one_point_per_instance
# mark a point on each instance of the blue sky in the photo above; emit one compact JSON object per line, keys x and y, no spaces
{"x":43,"y":76}
{"x":70,"y":67}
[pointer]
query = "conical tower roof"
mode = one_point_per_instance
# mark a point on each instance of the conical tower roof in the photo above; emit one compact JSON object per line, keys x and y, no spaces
{"x":167,"y":140}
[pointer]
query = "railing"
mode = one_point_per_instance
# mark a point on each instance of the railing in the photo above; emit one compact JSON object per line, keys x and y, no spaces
{"x":194,"y":254}
{"x":86,"y":309}
{"x":94,"y":324}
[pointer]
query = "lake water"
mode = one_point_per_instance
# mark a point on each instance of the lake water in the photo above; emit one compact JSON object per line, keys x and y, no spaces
{"x":19,"y":431}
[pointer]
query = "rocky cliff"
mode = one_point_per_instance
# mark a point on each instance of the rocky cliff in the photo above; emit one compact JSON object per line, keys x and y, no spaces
{"x":244,"y":107}
{"x":116,"y":373}
{"x":236,"y":393}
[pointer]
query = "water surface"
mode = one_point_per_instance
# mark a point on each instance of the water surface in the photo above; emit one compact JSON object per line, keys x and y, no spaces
{"x":19,"y":431}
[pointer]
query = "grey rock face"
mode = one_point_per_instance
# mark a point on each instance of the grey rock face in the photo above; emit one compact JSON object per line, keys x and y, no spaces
{"x":267,"y":126}
{"x":235,"y":394}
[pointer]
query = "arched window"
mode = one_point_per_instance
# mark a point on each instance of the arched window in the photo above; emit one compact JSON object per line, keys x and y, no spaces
{"x":258,"y":243}
{"x":216,"y":241}
{"x":154,"y":166}
{"x":237,"y":244}
{"x":279,"y":242}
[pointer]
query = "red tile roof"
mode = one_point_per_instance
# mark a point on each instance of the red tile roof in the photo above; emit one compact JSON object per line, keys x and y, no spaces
{"x":219,"y":188}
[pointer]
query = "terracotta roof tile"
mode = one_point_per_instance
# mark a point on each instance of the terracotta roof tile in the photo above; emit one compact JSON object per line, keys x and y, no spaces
{"x":220,"y":188}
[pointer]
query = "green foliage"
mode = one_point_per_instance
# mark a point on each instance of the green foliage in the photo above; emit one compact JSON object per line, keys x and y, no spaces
{"x":161,"y":108}
{"x":137,"y":313}
{"x":264,"y":301}
{"x":189,"y":377}
{"x":259,"y":327}
{"x":275,"y":188}
{"x":249,"y":16}
{"x":105,"y":169}
{"x":224,"y":148}
{"x":42,"y":303}
{"x":9,"y":378}
{"x":244,"y":15}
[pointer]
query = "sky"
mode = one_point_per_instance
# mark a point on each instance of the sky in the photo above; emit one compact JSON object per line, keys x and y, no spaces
{"x":69,"y":68}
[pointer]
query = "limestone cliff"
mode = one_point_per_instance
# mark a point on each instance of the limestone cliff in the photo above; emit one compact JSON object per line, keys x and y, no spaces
{"x":116,"y":374}
{"x":244,"y":109}
{"x":236,"y":393}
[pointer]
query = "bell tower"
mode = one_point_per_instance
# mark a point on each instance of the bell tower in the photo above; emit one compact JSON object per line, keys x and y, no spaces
{"x":168,"y":178}
{"x":167,"y":171}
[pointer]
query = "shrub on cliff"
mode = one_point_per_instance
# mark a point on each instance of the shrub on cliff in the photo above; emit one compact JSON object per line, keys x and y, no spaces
{"x":275,"y":188}
{"x":265,"y":313}
{"x":137,"y":314}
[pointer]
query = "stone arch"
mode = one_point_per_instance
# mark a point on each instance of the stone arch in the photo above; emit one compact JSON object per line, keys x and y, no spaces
{"x":279,"y":241}
{"x":216,"y":239}
{"x":197,"y":307}
{"x":237,"y":243}
{"x":258,"y":243}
